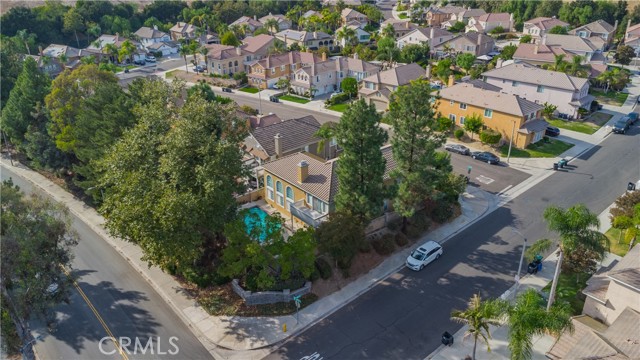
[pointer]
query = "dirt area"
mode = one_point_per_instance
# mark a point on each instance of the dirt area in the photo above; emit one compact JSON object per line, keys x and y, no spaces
{"x":7,"y":5}
{"x":474,"y":145}
{"x":598,"y":118}
{"x":193,"y":77}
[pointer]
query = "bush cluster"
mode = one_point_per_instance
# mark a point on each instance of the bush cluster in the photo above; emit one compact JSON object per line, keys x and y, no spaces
{"x":338,"y":99}
{"x":490,"y":137}
{"x":459,"y":133}
{"x":323,"y":268}
{"x":384,"y":245}
{"x":401,"y":239}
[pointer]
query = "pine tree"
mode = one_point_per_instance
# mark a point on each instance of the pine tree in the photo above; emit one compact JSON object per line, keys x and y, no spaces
{"x":361,"y":165}
{"x":31,"y":88}
{"x":419,"y":169}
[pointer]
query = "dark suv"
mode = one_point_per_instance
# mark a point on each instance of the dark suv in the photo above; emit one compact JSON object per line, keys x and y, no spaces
{"x":485,"y":156}
{"x":621,"y":126}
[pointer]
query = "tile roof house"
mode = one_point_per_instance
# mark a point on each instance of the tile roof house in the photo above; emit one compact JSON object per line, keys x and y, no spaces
{"x":501,"y":112}
{"x":435,"y":16}
{"x":182,"y":30}
{"x":149,"y":36}
{"x":632,"y":36}
{"x":282,"y":138}
{"x":432,"y":36}
{"x":539,"y":26}
{"x":346,"y":2}
{"x":377,"y":88}
{"x":326,"y":76}
{"x":225,"y":59}
{"x":347,"y":15}
{"x":311,"y":40}
{"x":256,"y":121}
{"x":302,"y":187}
{"x":362,"y":36}
{"x":487,"y":22}
{"x":473,"y":42}
{"x":462,"y":16}
{"x":73,"y":55}
{"x":266,"y":72}
{"x":283,"y":22}
{"x":400,"y":27}
{"x":258,"y":45}
{"x":544,"y":51}
{"x":568,"y":93}
{"x":598,"y":29}
{"x":97,"y":48}
{"x":252,"y":24}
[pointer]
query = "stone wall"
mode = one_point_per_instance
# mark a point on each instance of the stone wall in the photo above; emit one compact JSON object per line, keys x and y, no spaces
{"x":268,"y":297}
{"x":380,"y":222}
{"x":250,"y":196}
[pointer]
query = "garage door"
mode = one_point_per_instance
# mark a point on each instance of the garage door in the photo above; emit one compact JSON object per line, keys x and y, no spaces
{"x":380,"y":105}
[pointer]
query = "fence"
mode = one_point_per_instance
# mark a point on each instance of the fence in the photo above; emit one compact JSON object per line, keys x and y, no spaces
{"x":250,"y":196}
{"x":380,"y":222}
{"x":269,"y":297}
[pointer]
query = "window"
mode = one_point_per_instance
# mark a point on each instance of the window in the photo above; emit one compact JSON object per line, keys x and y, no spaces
{"x":235,"y":63}
{"x":317,"y":78}
{"x":514,"y":83}
{"x":488,"y":113}
{"x":451,"y":102}
{"x":270,"y":187}
{"x":461,"y":120}
{"x":282,"y":67}
{"x":309,"y":199}
{"x":540,"y":89}
{"x":452,"y":117}
{"x":290,"y":199}
{"x":463,"y":106}
{"x":279,"y":194}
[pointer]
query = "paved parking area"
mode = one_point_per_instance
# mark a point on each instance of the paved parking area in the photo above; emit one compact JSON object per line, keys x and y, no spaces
{"x":491,"y":178}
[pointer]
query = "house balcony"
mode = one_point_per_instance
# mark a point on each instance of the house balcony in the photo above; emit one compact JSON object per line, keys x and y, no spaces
{"x":307,"y":215}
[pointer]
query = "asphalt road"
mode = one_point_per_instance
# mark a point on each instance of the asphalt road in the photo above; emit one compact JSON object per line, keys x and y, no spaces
{"x":491,"y":178}
{"x":126,"y":303}
{"x":404,"y":316}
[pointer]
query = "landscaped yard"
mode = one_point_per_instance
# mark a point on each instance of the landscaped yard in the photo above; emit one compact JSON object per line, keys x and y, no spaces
{"x":610,"y":98}
{"x":339,"y":107}
{"x":618,"y":245}
{"x":583,"y":127}
{"x":296,"y":99}
{"x":171,"y":73}
{"x":599,"y":118}
{"x":402,"y":15}
{"x":250,"y":90}
{"x":569,"y":290}
{"x":540,"y":149}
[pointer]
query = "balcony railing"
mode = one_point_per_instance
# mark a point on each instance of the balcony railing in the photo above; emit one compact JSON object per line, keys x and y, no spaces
{"x":307,"y":215}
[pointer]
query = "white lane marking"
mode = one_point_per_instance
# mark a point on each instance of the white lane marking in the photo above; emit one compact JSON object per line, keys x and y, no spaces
{"x":314,"y":356}
{"x":504,"y":190}
{"x":485,"y":180}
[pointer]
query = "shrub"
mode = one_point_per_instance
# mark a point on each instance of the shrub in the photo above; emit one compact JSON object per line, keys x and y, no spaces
{"x":418,"y":224}
{"x":401,"y":239}
{"x":249,"y":110}
{"x":365,"y":247}
{"x":443,"y":212}
{"x":490,"y":137}
{"x":340,"y":237}
{"x":338,"y":99}
{"x":459,"y":133}
{"x":394,"y":225}
{"x":323,"y":268}
{"x":384,"y":245}
{"x":10,"y":338}
{"x":204,"y":279}
{"x":445,"y":124}
{"x":241,"y":76}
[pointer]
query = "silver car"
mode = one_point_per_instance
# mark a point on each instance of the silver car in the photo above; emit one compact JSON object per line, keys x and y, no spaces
{"x":457,"y":148}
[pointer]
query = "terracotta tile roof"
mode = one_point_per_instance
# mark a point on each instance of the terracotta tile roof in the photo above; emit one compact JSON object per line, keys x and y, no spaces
{"x":182,"y":27}
{"x":292,"y":57}
{"x":449,"y":9}
{"x":294,"y":134}
{"x":254,"y":44}
{"x":530,"y":74}
{"x":247,"y":20}
{"x":398,"y":76}
{"x":570,"y":42}
{"x":627,"y":271}
{"x":222,"y":52}
{"x":493,"y":17}
{"x":485,"y":99}
{"x":347,"y":12}
{"x":583,"y":326}
{"x":545,"y":23}
{"x":598,"y":27}
{"x":265,"y":120}
{"x":279,"y":17}
{"x":149,"y":33}
{"x":55,"y":50}
{"x":544,"y":53}
{"x":624,"y":333}
{"x":303,"y":35}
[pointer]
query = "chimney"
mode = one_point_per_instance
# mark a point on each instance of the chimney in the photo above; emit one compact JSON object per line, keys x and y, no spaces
{"x":499,"y":63}
{"x":238,"y":51}
{"x":40,"y":51}
{"x":479,"y":39}
{"x":428,"y":73}
{"x":303,"y":171}
{"x":628,"y":24}
{"x":324,"y":56}
{"x":544,"y":39}
{"x":278,"y":145}
{"x":315,"y":35}
{"x":155,"y":27}
{"x":406,"y":25}
{"x":452,"y":80}
{"x":255,"y":18}
{"x":536,"y":48}
{"x":432,"y":33}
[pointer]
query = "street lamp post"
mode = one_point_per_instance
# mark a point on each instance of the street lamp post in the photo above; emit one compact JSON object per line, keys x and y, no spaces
{"x":524,"y":246}
{"x":259,"y":101}
{"x":513,"y":131}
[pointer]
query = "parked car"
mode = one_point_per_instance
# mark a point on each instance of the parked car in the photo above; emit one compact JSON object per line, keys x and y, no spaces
{"x":274,"y":99}
{"x":633,"y":117}
{"x":621,"y":126}
{"x":424,"y":255}
{"x":552,"y":131}
{"x":150,"y":58}
{"x":486,"y":156}
{"x":198,"y":68}
{"x":227,"y":90}
{"x":139,"y":62}
{"x":456,"y":148}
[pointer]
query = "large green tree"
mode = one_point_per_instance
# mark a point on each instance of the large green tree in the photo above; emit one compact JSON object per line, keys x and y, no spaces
{"x":31,"y":88}
{"x":416,"y":137}
{"x":73,"y":23}
{"x":465,"y":61}
{"x":361,"y":165}
{"x":170,"y":182}
{"x":624,"y":54}
{"x":11,"y":65}
{"x":341,"y":237}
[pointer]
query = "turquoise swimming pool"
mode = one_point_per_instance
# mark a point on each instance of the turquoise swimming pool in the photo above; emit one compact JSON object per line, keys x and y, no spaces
{"x":255,"y":217}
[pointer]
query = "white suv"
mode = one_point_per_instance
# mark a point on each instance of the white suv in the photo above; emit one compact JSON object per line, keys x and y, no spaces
{"x":424,"y":255}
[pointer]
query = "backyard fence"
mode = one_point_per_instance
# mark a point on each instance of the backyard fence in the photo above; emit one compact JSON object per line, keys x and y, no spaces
{"x":269,"y":297}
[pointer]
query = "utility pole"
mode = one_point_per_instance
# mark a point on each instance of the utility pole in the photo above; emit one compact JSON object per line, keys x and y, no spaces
{"x":524,"y":246}
{"x":513,"y":132}
{"x":556,"y":276}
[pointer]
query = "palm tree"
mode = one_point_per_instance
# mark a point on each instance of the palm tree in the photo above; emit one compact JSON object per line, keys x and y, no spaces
{"x":184,"y":51}
{"x":112,"y":51}
{"x":26,"y":38}
{"x":272,"y":25}
{"x":203,"y":51}
{"x":528,"y":318}
{"x":94,"y":30}
{"x":478,"y":316}
{"x":88,"y":60}
{"x":575,"y":67}
{"x":559,"y":63}
{"x":126,"y":50}
{"x":347,"y":34}
{"x":576,"y":227}
{"x":63,"y":58}
{"x":388,"y":31}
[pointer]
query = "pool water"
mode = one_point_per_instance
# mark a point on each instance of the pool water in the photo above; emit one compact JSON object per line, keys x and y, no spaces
{"x":256,"y":217}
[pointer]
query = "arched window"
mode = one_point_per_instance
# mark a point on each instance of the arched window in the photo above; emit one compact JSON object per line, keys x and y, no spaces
{"x":270,"y":187}
{"x":230,"y":64}
{"x":235,"y":63}
{"x":279,"y":194}
{"x":290,"y":199}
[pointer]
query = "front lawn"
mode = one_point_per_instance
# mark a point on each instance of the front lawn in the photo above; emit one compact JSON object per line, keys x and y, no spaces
{"x":569,"y":290}
{"x":583,"y":127}
{"x":618,"y":245}
{"x":296,"y":99}
{"x":599,"y":118}
{"x":402,"y":15}
{"x":540,"y":149}
{"x":339,"y":107}
{"x":170,"y":74}
{"x":610,"y":98}
{"x":250,"y":90}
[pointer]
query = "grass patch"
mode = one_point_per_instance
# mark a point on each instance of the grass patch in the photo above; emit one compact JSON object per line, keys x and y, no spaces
{"x":599,"y":118}
{"x":618,"y":245}
{"x":611,"y":98}
{"x":295,"y":99}
{"x":583,"y":127}
{"x":338,"y":107}
{"x":540,"y":149}
{"x":402,"y":15}
{"x":569,"y":290}
{"x":170,"y":74}
{"x":222,"y":300}
{"x":250,"y":90}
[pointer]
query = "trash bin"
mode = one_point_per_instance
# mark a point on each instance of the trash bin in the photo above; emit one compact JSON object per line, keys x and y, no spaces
{"x":447,"y":339}
{"x":532,"y":268}
{"x":562,"y":163}
{"x":555,"y":166}
{"x":631,"y":186}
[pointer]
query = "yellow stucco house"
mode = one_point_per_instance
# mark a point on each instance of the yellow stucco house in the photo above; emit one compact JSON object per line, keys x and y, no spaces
{"x":505,"y":113}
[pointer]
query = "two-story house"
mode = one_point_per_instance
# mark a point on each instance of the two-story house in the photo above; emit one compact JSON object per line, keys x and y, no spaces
{"x":599,"y":29}
{"x":348,"y":15}
{"x":377,"y":88}
{"x":362,"y":37}
{"x":257,"y":47}
{"x":69,"y":54}
{"x":251,"y":24}
{"x":283,"y":22}
{"x":568,"y":93}
{"x":302,"y":187}
{"x":182,"y":30}
{"x":487,"y":22}
{"x":432,"y":36}
{"x":473,"y":42}
{"x":310,"y":40}
{"x":436,"y":16}
{"x":152,"y":39}
{"x":266,"y":72}
{"x":537,"y":27}
{"x":462,"y":16}
{"x":226,"y":59}
{"x":326,"y":76}
{"x":504,"y":113}
{"x":400,"y":27}
{"x":632,"y":37}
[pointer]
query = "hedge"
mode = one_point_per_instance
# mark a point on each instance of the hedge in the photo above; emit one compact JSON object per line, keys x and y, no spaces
{"x":384,"y":245}
{"x":490,"y":137}
{"x":323,"y":268}
{"x":459,"y":133}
